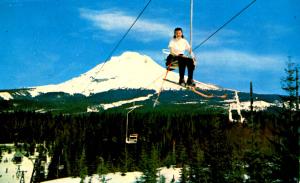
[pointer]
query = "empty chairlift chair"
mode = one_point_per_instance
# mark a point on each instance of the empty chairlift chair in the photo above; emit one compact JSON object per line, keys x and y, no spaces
{"x":132,"y":138}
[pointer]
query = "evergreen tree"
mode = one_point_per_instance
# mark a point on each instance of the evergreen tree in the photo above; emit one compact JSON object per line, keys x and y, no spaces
{"x":184,"y":174}
{"x":127,"y":160}
{"x":170,"y":160}
{"x":287,"y":145}
{"x":260,"y":166}
{"x":297,"y":88}
{"x":39,"y":168}
{"x":219,"y":155}
{"x":151,"y":166}
{"x":83,"y":170}
{"x":289,"y":84}
{"x":251,"y":102}
{"x":182,"y":154}
{"x":198,"y":171}
{"x":171,"y":156}
{"x":53,"y":168}
{"x":143,"y":159}
{"x":66,"y":156}
{"x":173,"y":179}
{"x":237,"y":173}
{"x":162,"y":179}
{"x":102,"y":169}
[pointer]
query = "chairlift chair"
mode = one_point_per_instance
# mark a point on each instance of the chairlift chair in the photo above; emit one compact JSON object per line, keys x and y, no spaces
{"x":132,"y":139}
{"x":173,"y":65}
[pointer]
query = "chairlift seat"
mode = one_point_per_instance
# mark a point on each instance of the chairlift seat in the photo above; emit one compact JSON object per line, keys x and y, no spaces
{"x":132,"y":139}
{"x":174,"y":64}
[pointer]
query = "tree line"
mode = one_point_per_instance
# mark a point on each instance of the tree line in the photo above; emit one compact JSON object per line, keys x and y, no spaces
{"x":207,"y":147}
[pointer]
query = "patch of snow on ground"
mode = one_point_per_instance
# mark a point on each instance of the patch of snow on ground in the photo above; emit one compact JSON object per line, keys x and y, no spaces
{"x":5,"y":95}
{"x":181,"y":103}
{"x":130,"y":177}
{"x":8,"y":169}
{"x":41,"y":111}
{"x":119,"y":103}
{"x":257,"y":105}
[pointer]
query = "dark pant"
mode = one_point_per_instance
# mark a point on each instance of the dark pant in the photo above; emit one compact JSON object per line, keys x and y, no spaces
{"x":183,"y":62}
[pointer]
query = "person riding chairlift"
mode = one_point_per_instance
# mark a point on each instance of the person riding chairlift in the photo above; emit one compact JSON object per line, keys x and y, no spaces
{"x":181,"y":51}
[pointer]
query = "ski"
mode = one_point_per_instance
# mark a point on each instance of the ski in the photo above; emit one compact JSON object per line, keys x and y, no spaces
{"x":194,"y":89}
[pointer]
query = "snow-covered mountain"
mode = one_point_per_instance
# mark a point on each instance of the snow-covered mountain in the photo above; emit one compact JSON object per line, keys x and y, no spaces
{"x":125,"y":79}
{"x":131,"y":70}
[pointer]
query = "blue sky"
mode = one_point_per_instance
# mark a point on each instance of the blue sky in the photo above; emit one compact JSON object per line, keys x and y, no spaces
{"x":50,"y":41}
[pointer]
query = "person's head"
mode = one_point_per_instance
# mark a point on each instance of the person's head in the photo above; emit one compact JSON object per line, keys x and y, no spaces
{"x":178,"y":32}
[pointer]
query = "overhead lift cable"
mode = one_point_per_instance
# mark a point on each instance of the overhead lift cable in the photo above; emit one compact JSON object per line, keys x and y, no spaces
{"x":126,"y":33}
{"x":119,"y":42}
{"x":231,"y":19}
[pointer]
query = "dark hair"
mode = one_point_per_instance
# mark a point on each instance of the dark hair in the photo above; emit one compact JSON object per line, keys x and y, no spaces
{"x":178,"y":29}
